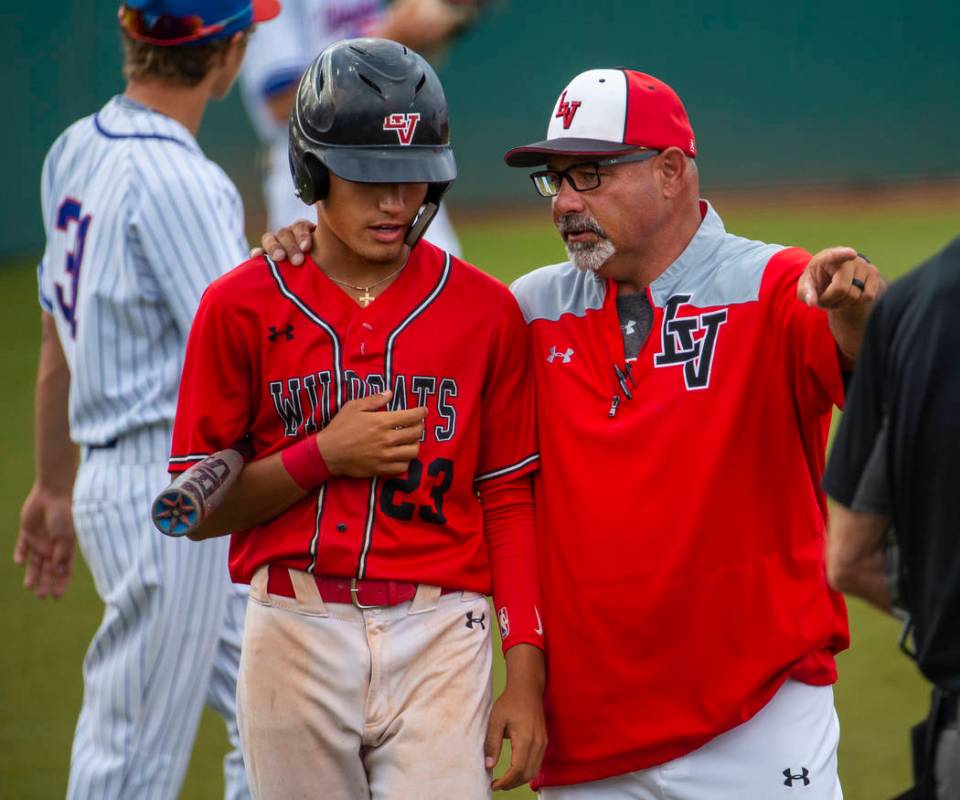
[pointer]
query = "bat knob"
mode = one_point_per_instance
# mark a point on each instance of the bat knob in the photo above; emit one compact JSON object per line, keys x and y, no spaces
{"x":174,"y":513}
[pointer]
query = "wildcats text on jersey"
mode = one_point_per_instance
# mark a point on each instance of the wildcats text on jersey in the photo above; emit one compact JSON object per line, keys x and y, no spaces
{"x":304,"y":403}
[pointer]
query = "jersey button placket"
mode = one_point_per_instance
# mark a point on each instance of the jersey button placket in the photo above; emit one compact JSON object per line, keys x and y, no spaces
{"x":362,"y":351}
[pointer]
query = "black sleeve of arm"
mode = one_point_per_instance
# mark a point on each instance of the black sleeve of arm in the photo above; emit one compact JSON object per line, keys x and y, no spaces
{"x":856,"y":473}
{"x":873,"y":491}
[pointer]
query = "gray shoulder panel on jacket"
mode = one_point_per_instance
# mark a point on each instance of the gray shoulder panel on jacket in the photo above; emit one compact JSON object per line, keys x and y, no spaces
{"x":731,"y":272}
{"x":552,"y":291}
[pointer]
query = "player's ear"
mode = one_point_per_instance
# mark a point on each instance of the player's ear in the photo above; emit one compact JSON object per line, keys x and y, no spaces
{"x":241,"y":39}
{"x":235,"y":50}
{"x":672,"y":168}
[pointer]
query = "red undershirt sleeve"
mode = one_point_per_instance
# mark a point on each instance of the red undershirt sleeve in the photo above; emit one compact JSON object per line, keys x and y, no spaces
{"x":508,"y":526}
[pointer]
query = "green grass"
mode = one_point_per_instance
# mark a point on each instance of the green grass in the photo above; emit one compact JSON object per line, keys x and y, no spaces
{"x":879,"y":694}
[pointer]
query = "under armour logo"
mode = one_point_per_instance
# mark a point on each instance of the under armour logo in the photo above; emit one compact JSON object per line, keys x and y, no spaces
{"x":567,"y":355}
{"x":403,"y":124}
{"x":791,"y":777}
{"x":690,"y":341}
{"x":567,"y":110}
{"x":471,"y":620}
{"x":630,"y":327}
{"x":286,"y":333}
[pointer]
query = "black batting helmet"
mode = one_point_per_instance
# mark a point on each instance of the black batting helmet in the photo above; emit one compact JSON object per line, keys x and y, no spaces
{"x":371,"y":111}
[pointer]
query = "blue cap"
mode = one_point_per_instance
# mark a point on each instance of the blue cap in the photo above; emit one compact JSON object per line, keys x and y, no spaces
{"x":175,"y":22}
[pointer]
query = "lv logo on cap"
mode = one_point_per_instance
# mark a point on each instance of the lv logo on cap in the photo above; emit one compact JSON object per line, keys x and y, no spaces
{"x":566,"y":109}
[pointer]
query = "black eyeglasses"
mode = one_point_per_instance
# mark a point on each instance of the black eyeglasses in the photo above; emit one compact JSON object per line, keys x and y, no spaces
{"x":582,"y":177}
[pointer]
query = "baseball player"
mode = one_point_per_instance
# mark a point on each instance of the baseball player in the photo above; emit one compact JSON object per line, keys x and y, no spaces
{"x":369,"y":537}
{"x":138,"y":222}
{"x":279,"y":55}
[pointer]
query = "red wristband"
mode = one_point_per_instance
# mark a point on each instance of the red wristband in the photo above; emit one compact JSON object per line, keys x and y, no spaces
{"x":304,"y":463}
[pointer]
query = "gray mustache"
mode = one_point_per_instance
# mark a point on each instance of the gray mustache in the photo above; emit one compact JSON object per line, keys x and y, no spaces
{"x":577,"y":223}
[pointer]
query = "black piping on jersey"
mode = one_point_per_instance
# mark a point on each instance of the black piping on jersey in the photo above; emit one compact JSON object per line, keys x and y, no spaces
{"x":434,"y":293}
{"x":523,"y":462}
{"x":388,"y":381}
{"x":368,"y":528}
{"x":315,"y":539}
{"x":317,"y":320}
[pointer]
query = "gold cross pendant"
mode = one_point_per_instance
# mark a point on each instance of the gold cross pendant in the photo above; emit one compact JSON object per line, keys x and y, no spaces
{"x":366,"y":298}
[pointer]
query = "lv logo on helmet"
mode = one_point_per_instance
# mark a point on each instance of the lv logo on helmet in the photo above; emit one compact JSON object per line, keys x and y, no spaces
{"x":403,"y":124}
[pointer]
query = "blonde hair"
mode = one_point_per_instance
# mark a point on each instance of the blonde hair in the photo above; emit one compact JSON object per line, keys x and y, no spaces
{"x":184,"y":65}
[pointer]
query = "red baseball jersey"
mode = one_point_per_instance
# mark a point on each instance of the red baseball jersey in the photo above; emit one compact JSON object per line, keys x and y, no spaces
{"x":679,"y":504}
{"x":275,"y":350}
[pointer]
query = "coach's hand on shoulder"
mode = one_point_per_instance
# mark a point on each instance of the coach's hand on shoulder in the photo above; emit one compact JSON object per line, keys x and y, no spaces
{"x":363,"y":441}
{"x":845,"y":284}
{"x":288,"y":243}
{"x":46,"y":543}
{"x":518,"y":716}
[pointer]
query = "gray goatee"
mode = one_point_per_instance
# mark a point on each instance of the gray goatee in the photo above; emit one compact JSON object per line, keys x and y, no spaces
{"x":588,"y":256}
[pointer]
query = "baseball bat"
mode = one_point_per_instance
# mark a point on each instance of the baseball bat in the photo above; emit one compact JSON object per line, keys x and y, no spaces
{"x":196,"y":493}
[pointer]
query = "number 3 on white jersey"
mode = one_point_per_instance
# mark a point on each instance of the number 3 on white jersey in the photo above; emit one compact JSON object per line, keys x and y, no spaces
{"x":70,"y":217}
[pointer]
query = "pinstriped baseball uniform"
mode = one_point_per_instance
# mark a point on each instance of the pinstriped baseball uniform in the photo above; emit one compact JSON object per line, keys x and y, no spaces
{"x":138,"y":222}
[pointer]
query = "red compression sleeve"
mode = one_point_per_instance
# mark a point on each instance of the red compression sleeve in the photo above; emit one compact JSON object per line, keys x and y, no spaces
{"x":508,"y":526}
{"x":305,"y":464}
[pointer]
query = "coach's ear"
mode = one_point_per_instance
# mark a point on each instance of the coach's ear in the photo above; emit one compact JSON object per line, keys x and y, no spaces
{"x":288,"y":243}
{"x":673,"y":169}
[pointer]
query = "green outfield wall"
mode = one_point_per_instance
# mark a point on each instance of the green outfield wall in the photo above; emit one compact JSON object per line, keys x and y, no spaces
{"x":778,"y":92}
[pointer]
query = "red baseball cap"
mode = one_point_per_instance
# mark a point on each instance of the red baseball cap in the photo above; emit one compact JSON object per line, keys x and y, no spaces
{"x":605,"y":112}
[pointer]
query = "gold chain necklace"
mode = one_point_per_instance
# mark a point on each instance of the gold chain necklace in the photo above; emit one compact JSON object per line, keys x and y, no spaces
{"x":366,"y":298}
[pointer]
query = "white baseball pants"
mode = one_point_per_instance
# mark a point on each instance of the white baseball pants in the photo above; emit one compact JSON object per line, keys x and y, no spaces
{"x":340,"y":703}
{"x":788,"y":751}
{"x":170,"y":637}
